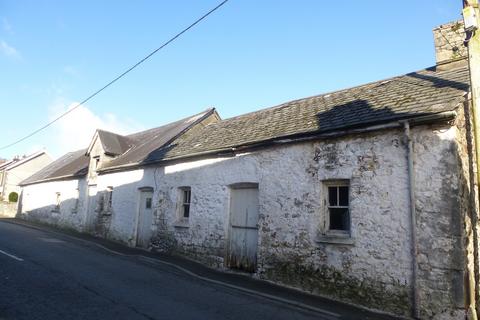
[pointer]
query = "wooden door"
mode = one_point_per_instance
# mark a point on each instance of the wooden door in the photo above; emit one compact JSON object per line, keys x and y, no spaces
{"x":243,"y":236}
{"x":144,"y":229}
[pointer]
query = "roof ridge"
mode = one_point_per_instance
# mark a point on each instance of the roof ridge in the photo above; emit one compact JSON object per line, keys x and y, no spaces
{"x":107,"y":131}
{"x":170,"y":123}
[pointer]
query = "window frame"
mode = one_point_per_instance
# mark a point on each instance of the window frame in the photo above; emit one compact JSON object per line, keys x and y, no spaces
{"x":58,"y":201}
{"x":149,"y":203}
{"x":341,"y":233}
{"x":186,"y":202}
{"x":109,"y":197}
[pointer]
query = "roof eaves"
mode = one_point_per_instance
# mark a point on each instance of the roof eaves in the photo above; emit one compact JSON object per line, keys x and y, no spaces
{"x":297,"y":137}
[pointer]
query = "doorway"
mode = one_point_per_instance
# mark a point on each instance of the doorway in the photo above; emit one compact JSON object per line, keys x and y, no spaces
{"x":145,"y":218}
{"x":243,"y":229}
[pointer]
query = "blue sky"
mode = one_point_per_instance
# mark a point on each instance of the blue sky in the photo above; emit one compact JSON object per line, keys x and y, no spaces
{"x":246,"y":56}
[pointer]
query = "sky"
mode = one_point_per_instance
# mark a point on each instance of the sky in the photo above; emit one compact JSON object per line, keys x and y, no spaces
{"x":248,"y":55}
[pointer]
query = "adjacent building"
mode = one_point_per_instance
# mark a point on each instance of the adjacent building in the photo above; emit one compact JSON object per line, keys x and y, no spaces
{"x":366,"y":195}
{"x":14,"y":171}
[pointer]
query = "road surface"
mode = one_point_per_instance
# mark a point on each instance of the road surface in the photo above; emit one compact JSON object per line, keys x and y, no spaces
{"x":45,"y":275}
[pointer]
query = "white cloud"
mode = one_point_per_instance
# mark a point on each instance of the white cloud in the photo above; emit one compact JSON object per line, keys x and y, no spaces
{"x":75,"y":130}
{"x":8,"y":50}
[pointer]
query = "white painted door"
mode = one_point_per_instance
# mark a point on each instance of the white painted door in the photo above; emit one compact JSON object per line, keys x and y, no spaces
{"x":144,"y":230}
{"x":242,"y":253}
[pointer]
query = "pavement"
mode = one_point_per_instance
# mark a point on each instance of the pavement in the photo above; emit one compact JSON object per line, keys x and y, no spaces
{"x":47,"y":273}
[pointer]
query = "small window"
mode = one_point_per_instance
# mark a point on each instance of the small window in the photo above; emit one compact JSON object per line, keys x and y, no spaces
{"x":57,"y":201}
{"x":148,"y":203}
{"x":186,"y":195}
{"x":338,"y":210}
{"x":97,"y":162}
{"x":109,"y":197}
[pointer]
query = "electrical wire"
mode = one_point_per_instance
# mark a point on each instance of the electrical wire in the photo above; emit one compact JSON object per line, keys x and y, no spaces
{"x":118,"y":77}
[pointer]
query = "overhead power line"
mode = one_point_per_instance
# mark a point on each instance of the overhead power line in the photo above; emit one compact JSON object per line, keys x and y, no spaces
{"x":118,"y":77}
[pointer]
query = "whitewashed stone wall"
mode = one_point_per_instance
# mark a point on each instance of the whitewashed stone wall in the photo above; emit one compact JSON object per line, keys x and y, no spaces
{"x":38,"y":203}
{"x":374,"y":270}
{"x":122,"y":218}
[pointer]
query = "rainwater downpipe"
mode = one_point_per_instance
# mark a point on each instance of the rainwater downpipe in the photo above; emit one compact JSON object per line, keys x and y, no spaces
{"x":413,"y":220}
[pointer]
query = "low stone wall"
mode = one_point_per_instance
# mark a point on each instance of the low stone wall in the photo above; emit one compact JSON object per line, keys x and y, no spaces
{"x":8,"y":209}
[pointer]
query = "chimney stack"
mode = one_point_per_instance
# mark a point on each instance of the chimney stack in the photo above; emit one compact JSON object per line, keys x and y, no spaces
{"x":449,"y":46}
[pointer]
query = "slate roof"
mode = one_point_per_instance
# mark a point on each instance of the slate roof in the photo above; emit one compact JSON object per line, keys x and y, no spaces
{"x":134,"y":148}
{"x":425,"y":92}
{"x":112,"y":143}
{"x":72,"y":164}
{"x":145,"y":143}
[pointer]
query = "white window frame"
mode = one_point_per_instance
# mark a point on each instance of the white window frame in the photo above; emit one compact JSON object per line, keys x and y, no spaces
{"x":185,"y":201}
{"x":336,"y":183}
{"x":107,"y":201}
{"x":58,"y":201}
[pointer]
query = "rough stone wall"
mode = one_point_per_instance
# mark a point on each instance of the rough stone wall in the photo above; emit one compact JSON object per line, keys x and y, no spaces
{"x":374,"y":270}
{"x":39,"y":203}
{"x":468,"y":192}
{"x":448,"y":40}
{"x":441,"y":204}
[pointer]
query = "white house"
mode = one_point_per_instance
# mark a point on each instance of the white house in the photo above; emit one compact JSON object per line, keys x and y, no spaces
{"x":18,"y":169}
{"x":366,"y":195}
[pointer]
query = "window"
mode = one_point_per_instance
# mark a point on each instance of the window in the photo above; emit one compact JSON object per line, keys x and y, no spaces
{"x":57,"y":201}
{"x":148,"y":203}
{"x":337,"y":203}
{"x":97,"y":162}
{"x":186,"y":195}
{"x":105,"y":201}
{"x":109,"y":197}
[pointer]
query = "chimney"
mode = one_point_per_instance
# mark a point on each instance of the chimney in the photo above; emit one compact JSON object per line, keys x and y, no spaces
{"x":449,"y":46}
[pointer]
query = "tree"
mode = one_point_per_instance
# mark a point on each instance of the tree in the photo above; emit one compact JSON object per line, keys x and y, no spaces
{"x":13,"y":197}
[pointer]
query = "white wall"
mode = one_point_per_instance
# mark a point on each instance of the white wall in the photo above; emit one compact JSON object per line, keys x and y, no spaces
{"x":39,"y":203}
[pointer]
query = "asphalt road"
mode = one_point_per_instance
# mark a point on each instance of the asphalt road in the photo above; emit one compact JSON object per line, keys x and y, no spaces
{"x":47,"y":276}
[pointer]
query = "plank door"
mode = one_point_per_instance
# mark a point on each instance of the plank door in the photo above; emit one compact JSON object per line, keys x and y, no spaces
{"x":242,"y":253}
{"x":144,"y":229}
